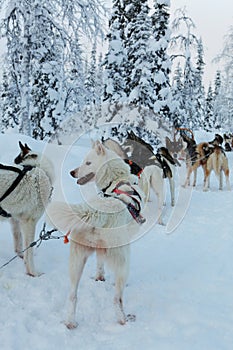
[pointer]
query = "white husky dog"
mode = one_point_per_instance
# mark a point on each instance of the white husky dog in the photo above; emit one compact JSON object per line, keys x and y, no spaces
{"x":107,"y":224}
{"x":25,"y":201}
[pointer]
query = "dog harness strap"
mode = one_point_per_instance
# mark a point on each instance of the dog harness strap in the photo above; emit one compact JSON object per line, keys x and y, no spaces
{"x":134,"y":209}
{"x":22,"y":173}
{"x":14,"y":184}
{"x":11,"y":168}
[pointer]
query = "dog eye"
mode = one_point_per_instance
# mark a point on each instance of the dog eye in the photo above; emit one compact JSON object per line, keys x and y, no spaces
{"x":88,"y":163}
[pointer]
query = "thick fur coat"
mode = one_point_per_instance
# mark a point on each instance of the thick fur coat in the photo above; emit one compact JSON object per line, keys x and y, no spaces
{"x":217,"y":162}
{"x":103,"y":224}
{"x":26,"y":203}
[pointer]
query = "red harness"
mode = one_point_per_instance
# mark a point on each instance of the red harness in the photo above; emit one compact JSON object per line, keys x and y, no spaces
{"x":133,"y":208}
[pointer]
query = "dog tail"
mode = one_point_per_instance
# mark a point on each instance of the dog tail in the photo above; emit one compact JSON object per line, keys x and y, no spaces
{"x":217,"y":161}
{"x":63,"y":216}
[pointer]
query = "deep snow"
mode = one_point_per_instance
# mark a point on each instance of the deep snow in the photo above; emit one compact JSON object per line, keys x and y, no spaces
{"x":180,"y":286}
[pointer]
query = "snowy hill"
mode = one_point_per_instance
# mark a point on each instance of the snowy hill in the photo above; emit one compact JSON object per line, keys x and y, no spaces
{"x":180,"y":284}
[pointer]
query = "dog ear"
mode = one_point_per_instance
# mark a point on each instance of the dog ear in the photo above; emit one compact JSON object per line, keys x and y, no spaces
{"x":27,"y":147}
{"x":24,"y":147}
{"x":21,"y":145}
{"x":99,"y":148}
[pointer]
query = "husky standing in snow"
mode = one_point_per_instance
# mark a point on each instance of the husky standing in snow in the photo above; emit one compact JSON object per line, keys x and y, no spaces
{"x":24,"y":193}
{"x":218,"y":162}
{"x":152,"y":169}
{"x":106,"y":225}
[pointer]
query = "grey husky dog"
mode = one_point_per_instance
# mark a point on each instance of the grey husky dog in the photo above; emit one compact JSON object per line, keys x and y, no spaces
{"x":24,"y":192}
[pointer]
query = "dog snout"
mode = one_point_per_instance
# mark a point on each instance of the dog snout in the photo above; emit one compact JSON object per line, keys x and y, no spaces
{"x":74,"y":173}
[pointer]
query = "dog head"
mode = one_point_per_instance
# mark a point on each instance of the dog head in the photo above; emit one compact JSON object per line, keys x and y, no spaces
{"x":174,"y":146}
{"x":87,"y":170}
{"x":164,"y":152}
{"x":26,"y":155}
{"x":218,"y":140}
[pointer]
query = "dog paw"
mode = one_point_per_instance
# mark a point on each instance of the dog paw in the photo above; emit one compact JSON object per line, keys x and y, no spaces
{"x":20,"y":255}
{"x":130,"y":318}
{"x":161,"y":223}
{"x":122,"y":322}
{"x":100,"y":278}
{"x":35,"y":274}
{"x":71,"y":325}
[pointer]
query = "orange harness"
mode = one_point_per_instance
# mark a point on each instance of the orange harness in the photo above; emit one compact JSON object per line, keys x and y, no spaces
{"x":66,"y":239}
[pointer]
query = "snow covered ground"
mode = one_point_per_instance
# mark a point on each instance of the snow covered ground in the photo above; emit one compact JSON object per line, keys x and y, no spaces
{"x":180,"y":286}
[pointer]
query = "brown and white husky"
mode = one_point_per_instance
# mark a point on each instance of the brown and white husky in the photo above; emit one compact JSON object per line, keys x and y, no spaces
{"x":218,"y":162}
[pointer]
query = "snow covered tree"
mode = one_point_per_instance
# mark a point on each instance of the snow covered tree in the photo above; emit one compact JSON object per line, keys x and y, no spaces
{"x":90,"y":83}
{"x":187,"y":42}
{"x":226,"y":58}
{"x":199,"y":90}
{"x":179,"y":116}
{"x":74,"y":100}
{"x":161,"y":64}
{"x":208,"y":122}
{"x":114,"y":75}
{"x":9,"y":112}
{"x":218,"y":102}
{"x":46,"y":90}
{"x":40,"y":36}
{"x":139,"y":84}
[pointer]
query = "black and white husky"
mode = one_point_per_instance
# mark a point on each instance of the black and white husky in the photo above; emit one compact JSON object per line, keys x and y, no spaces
{"x":24,"y":192}
{"x":105,"y":224}
{"x":151,"y":169}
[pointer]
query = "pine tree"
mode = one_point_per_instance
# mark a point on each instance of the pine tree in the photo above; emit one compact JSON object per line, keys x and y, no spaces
{"x":218,"y":103}
{"x":178,"y":101}
{"x":90,"y":83}
{"x":139,"y":85}
{"x":187,"y":42}
{"x":161,"y":64}
{"x":9,"y":112}
{"x":47,"y":72}
{"x":114,"y":75}
{"x":208,"y":122}
{"x":74,"y":71}
{"x":40,"y":36}
{"x":199,"y":90}
{"x":226,"y":58}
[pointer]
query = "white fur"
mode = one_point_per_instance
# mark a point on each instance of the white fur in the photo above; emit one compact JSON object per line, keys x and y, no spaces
{"x":103,"y":225}
{"x":26,"y":203}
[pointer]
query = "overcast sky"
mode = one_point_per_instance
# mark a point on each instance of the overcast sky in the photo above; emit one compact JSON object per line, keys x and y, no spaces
{"x":213,"y":19}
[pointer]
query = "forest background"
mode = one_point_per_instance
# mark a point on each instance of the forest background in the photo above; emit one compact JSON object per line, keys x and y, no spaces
{"x":86,"y":63}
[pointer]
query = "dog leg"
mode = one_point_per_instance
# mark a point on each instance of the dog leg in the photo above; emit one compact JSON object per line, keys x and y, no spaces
{"x":100,"y":265}
{"x":206,"y":179}
{"x":220,"y":181}
{"x":18,"y":245}
{"x":78,"y":257}
{"x":28,"y":230}
{"x":119,"y":262}
{"x":189,"y":172}
{"x":194,"y":176}
{"x":172,"y":190}
{"x":227,"y":179}
{"x":157,"y":184}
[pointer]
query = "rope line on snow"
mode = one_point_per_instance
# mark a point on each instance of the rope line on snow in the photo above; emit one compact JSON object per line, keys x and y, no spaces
{"x":44,"y":236}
